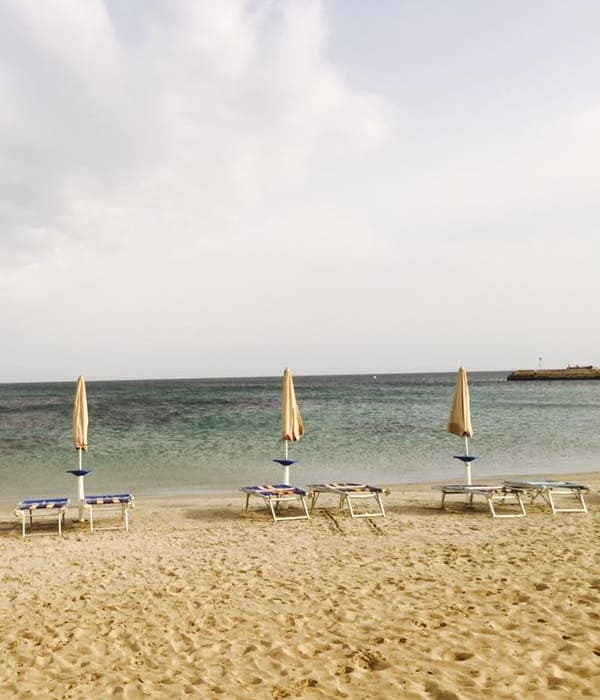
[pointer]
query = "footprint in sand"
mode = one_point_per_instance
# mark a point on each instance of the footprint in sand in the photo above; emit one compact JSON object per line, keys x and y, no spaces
{"x":434,"y":690}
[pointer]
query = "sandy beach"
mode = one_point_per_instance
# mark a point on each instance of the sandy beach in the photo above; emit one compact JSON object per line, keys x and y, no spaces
{"x":201,"y":599}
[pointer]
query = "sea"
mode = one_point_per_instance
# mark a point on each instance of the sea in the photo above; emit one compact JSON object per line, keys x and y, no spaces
{"x":195,"y":436}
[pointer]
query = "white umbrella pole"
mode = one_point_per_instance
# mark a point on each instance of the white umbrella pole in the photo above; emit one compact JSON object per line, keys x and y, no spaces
{"x":286,"y":467}
{"x":80,"y":491}
{"x":467,"y":463}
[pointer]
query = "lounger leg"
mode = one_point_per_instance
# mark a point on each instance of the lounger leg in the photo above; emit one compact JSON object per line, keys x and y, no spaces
{"x":367,"y":513}
{"x":545,"y":496}
{"x":273,"y":513}
{"x":443,"y":500}
{"x":552,"y":504}
{"x":313,"y":499}
{"x":578,"y":495}
{"x":548,"y":496}
{"x":290,"y":517}
{"x":305,"y":507}
{"x":91,"y":519}
{"x":350,"y":508}
{"x":490,"y":500}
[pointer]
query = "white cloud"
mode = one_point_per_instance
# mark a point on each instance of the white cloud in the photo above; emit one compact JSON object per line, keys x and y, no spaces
{"x":205,"y":112}
{"x":208,"y":171}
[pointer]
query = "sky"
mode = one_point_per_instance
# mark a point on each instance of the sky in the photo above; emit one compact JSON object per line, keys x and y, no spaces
{"x":199,"y":189}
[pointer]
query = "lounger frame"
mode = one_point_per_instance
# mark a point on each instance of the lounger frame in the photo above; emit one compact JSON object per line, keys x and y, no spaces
{"x":276,"y":494}
{"x":349,"y":492}
{"x":120,"y":502}
{"x":48,"y":507}
{"x":501,"y":494}
{"x":548,"y":490}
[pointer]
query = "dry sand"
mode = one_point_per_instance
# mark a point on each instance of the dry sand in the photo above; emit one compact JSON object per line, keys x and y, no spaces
{"x":202,"y":600}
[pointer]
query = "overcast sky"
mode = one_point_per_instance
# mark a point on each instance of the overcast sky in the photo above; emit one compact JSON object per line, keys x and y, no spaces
{"x":194,"y":189}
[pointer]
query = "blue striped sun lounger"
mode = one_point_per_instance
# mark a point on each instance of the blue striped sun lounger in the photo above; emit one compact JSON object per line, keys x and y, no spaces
{"x":111,"y":502}
{"x":547,"y":491}
{"x":502,"y":494}
{"x":276,"y":494}
{"x":347,"y":493}
{"x":56,"y":507}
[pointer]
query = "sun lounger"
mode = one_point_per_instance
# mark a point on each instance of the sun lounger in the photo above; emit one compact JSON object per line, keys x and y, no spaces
{"x":42,"y":507}
{"x":349,"y":492}
{"x":548,"y":490}
{"x":112,"y":502}
{"x":276,"y":494}
{"x":503,"y":494}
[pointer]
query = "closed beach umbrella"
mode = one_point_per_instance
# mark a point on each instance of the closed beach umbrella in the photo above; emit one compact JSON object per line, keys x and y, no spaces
{"x":80,"y":439}
{"x":80,"y":418}
{"x":292,"y":428}
{"x":459,"y":421}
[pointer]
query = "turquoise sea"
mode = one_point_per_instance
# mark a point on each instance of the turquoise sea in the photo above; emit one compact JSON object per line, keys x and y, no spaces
{"x":190,"y":436}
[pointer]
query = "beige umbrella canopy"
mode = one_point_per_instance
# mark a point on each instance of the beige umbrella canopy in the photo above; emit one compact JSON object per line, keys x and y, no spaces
{"x":80,"y":418}
{"x":292,"y":428}
{"x":459,"y":421}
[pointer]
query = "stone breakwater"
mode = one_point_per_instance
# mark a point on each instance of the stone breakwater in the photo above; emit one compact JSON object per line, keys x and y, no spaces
{"x":575,"y":372}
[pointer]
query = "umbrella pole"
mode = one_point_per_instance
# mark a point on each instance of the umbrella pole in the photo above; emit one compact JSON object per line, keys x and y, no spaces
{"x":80,"y":491}
{"x":286,"y":467}
{"x":467,"y":463}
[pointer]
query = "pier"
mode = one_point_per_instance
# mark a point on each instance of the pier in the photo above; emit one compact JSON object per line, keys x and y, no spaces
{"x":570,"y":372}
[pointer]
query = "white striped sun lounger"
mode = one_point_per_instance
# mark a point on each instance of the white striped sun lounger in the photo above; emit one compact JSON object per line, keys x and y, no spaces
{"x":276,"y":494}
{"x":349,"y":492}
{"x":547,"y":491}
{"x":120,"y":502}
{"x":56,"y":507}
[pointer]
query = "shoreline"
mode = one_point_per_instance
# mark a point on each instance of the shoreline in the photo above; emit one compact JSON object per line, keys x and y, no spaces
{"x":203,"y":599}
{"x":226,"y":493}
